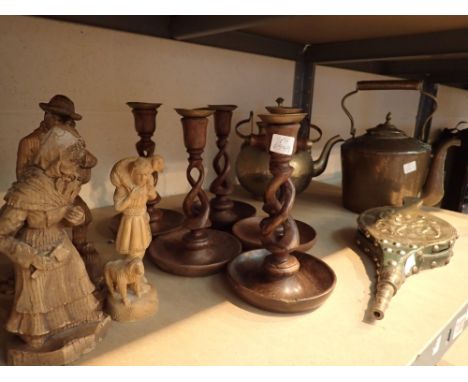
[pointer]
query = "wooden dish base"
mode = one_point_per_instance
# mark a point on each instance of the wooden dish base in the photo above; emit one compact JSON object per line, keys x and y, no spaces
{"x":305,"y":290}
{"x":224,"y":219}
{"x":170,"y":253}
{"x":248,"y":232}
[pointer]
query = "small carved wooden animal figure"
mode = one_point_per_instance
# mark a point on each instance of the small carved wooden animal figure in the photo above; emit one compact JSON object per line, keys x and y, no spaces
{"x":121,"y":274}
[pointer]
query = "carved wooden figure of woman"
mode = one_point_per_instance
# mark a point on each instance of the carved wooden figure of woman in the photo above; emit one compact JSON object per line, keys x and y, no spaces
{"x":134,"y":187}
{"x":53,"y":292}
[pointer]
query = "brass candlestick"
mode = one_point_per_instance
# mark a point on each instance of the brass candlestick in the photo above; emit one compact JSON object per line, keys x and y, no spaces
{"x":194,"y":250}
{"x":276,"y":278}
{"x":225,"y":211}
{"x":162,"y":220}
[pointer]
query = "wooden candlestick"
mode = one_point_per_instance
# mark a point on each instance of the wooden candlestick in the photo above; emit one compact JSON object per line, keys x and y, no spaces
{"x":276,"y":278}
{"x":225,"y":211}
{"x":162,"y":220}
{"x":194,"y":250}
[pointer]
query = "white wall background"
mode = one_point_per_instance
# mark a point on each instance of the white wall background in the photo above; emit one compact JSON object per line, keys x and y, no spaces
{"x":102,"y":69}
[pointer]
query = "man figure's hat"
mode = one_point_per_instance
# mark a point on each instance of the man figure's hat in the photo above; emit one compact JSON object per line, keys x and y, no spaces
{"x":61,"y":105}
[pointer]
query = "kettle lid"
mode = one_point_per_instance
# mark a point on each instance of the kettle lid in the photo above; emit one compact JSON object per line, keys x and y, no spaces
{"x":386,"y":138}
{"x":280,"y":109}
{"x":387,"y":129}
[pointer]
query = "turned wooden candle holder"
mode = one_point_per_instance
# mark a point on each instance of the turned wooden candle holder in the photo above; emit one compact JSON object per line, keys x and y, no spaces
{"x":277,"y":277}
{"x":224,"y":211}
{"x":194,"y":250}
{"x":162,"y":220}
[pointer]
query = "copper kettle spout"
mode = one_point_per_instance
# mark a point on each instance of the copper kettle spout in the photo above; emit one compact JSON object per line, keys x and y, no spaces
{"x":433,"y":190}
{"x":320,"y":164}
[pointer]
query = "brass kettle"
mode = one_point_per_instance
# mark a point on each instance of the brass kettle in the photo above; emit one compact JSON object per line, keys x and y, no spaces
{"x":383,"y":166}
{"x":252,"y":163}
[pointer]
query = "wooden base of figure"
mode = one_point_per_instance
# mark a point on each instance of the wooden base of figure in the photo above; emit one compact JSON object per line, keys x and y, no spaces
{"x":61,"y":349}
{"x":224,"y":219}
{"x":248,"y":232}
{"x":202,"y":256}
{"x":302,"y":291}
{"x":137,"y":308}
{"x":168,"y":221}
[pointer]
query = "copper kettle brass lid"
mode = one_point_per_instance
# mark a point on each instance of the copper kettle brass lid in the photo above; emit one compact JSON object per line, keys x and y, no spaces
{"x":388,"y":139}
{"x":280,"y":109}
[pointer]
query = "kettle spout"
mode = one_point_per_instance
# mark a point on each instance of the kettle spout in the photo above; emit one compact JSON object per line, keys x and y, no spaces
{"x":433,"y":190}
{"x":320,"y":164}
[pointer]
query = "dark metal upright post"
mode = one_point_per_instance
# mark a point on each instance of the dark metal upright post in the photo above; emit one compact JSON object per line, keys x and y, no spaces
{"x":303,"y":90}
{"x":425,"y":109}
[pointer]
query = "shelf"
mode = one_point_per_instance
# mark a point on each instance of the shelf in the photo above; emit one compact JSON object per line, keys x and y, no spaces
{"x":201,"y":322}
{"x":434,"y":48}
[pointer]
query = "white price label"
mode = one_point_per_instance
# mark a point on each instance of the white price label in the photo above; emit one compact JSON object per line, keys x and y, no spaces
{"x":282,"y":144}
{"x":459,"y":326}
{"x":409,"y":167}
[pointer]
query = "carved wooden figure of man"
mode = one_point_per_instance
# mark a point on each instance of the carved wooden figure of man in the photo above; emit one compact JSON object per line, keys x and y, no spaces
{"x":60,"y":111}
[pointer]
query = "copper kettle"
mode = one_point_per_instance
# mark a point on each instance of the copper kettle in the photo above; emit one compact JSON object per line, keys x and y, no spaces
{"x":252,"y":163}
{"x":383,"y":166}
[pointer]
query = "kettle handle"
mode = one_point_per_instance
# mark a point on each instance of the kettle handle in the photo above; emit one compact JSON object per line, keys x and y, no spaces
{"x":388,"y":85}
{"x":244,"y":121}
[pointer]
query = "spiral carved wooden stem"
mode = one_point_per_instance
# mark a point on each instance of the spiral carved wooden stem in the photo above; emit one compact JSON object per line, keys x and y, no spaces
{"x":197,"y":214}
{"x":222,"y":185}
{"x":279,"y":231}
{"x":225,"y":211}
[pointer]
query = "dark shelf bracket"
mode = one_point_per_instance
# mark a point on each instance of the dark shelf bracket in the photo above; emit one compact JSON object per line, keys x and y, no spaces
{"x":425,"y":109}
{"x":303,"y":91}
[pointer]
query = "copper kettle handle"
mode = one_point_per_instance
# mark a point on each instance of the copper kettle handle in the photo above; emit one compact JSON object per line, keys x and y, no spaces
{"x":240,"y":123}
{"x":388,"y":85}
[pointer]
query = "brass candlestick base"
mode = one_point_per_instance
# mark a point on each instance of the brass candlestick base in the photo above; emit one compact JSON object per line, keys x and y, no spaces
{"x":249,"y":233}
{"x":194,"y":250}
{"x":277,"y":278}
{"x":304,"y":290}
